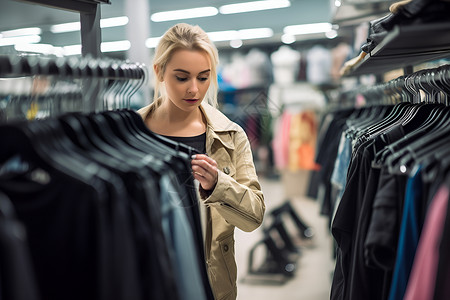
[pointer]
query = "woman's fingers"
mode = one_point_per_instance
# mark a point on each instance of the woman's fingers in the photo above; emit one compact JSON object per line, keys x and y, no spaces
{"x":204,"y":169}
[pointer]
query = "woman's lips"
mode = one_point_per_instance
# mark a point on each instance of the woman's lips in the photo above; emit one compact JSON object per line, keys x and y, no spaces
{"x":191,"y":100}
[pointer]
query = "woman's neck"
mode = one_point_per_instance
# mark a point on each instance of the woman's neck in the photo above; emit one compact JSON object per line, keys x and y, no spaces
{"x":170,"y":120}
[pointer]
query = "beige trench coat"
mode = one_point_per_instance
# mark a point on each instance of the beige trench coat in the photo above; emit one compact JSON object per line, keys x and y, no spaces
{"x":236,"y":201}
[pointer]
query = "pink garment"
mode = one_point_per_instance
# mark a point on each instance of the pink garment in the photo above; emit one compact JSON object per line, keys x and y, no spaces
{"x":280,"y":142}
{"x":423,"y":274}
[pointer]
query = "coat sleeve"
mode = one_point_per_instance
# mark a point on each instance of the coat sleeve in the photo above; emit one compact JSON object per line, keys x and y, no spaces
{"x":239,"y":200}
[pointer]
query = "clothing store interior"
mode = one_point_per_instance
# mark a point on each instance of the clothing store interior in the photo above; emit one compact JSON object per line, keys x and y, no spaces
{"x":344,"y":105}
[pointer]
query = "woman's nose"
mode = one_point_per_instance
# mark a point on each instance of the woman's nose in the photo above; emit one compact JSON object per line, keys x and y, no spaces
{"x":193,"y":88}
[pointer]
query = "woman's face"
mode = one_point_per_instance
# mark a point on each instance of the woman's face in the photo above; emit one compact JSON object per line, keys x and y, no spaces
{"x":187,"y":78}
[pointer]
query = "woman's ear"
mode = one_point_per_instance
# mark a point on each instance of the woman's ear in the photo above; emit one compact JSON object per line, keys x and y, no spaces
{"x":158,"y":72}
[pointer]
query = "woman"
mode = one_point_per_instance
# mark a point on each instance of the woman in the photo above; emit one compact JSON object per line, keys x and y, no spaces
{"x":185,"y":66}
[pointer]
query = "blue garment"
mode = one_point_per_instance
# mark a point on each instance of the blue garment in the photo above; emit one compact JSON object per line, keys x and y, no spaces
{"x":408,"y":238}
{"x":341,"y":165}
{"x":178,"y":234}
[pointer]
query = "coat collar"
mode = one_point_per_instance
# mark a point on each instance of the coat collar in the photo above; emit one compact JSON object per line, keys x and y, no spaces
{"x":218,"y":124}
{"x":216,"y":120}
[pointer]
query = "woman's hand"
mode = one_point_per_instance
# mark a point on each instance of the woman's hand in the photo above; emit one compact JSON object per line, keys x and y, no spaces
{"x":204,"y":169}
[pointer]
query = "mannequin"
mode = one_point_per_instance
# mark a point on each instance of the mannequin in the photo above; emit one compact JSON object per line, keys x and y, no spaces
{"x":259,"y":67}
{"x":285,"y":63}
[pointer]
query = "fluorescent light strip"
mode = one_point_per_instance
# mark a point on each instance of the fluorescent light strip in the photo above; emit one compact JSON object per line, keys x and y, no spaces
{"x":104,"y":47}
{"x":256,"y":33}
{"x":21,"y":32}
{"x":29,"y":39}
{"x":226,"y":35}
{"x":65,"y":27}
{"x":253,"y":6}
{"x":45,"y":49}
{"x":288,"y":38}
{"x":152,"y":42}
{"x":76,"y":26}
{"x":236,"y":44}
{"x":115,"y":46}
{"x":190,"y":13}
{"x":307,"y":28}
{"x":72,"y":50}
{"x":243,"y":34}
{"x":114,"y":22}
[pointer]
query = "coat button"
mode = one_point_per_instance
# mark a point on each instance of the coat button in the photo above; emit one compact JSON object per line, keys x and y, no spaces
{"x":226,"y":170}
{"x":225,"y":248}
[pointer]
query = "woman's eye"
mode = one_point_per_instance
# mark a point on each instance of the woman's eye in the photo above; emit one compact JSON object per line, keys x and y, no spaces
{"x":203,"y":78}
{"x":181,"y":78}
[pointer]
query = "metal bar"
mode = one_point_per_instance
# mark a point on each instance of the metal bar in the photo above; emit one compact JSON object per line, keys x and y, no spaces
{"x":91,"y":33}
{"x":70,"y":5}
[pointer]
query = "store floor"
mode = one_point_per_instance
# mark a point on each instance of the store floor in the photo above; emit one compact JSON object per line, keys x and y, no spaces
{"x":314,"y":266}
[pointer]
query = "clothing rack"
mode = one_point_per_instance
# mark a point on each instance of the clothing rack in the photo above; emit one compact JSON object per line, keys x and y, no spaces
{"x":88,"y":84}
{"x":427,"y":85}
{"x":115,"y":211}
{"x":388,"y":164}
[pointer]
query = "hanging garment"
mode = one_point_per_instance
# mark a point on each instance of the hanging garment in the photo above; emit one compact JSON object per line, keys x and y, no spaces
{"x":424,"y":270}
{"x":96,"y":214}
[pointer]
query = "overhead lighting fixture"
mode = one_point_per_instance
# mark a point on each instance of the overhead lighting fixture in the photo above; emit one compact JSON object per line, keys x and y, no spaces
{"x":104,"y":47}
{"x":226,"y":35}
{"x":21,"y":32}
{"x":288,"y":39}
{"x":114,"y":22}
{"x":152,"y":42}
{"x":253,"y":6}
{"x":115,"y":46}
{"x":76,"y":26}
{"x":190,"y":13}
{"x":72,"y":50}
{"x":236,"y":44}
{"x":243,"y":34}
{"x":307,"y":28}
{"x":255,"y":33}
{"x":28,"y":39}
{"x":337,"y":3}
{"x":331,"y":34}
{"x":65,"y":27}
{"x":45,"y":49}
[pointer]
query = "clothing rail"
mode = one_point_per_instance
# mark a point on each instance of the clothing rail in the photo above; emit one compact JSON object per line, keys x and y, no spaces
{"x":62,"y":85}
{"x":428,"y":85}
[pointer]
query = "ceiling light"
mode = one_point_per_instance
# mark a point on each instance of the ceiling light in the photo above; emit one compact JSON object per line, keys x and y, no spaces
{"x":28,"y":39}
{"x":255,"y":33}
{"x":236,"y":43}
{"x":152,"y":42}
{"x":337,"y":3}
{"x":331,"y":34}
{"x":307,"y":28}
{"x":226,"y":35}
{"x":115,"y":46}
{"x":253,"y":6}
{"x":21,"y":32}
{"x":45,"y":49}
{"x":243,"y":34}
{"x":288,"y":38}
{"x":65,"y":27}
{"x":72,"y":50}
{"x":190,"y":13}
{"x":76,"y":26}
{"x":113,"y":22}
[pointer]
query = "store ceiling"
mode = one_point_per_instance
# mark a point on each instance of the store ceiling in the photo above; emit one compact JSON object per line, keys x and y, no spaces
{"x":16,"y":14}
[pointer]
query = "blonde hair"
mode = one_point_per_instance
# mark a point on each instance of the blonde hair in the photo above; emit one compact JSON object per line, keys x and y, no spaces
{"x":189,"y":37}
